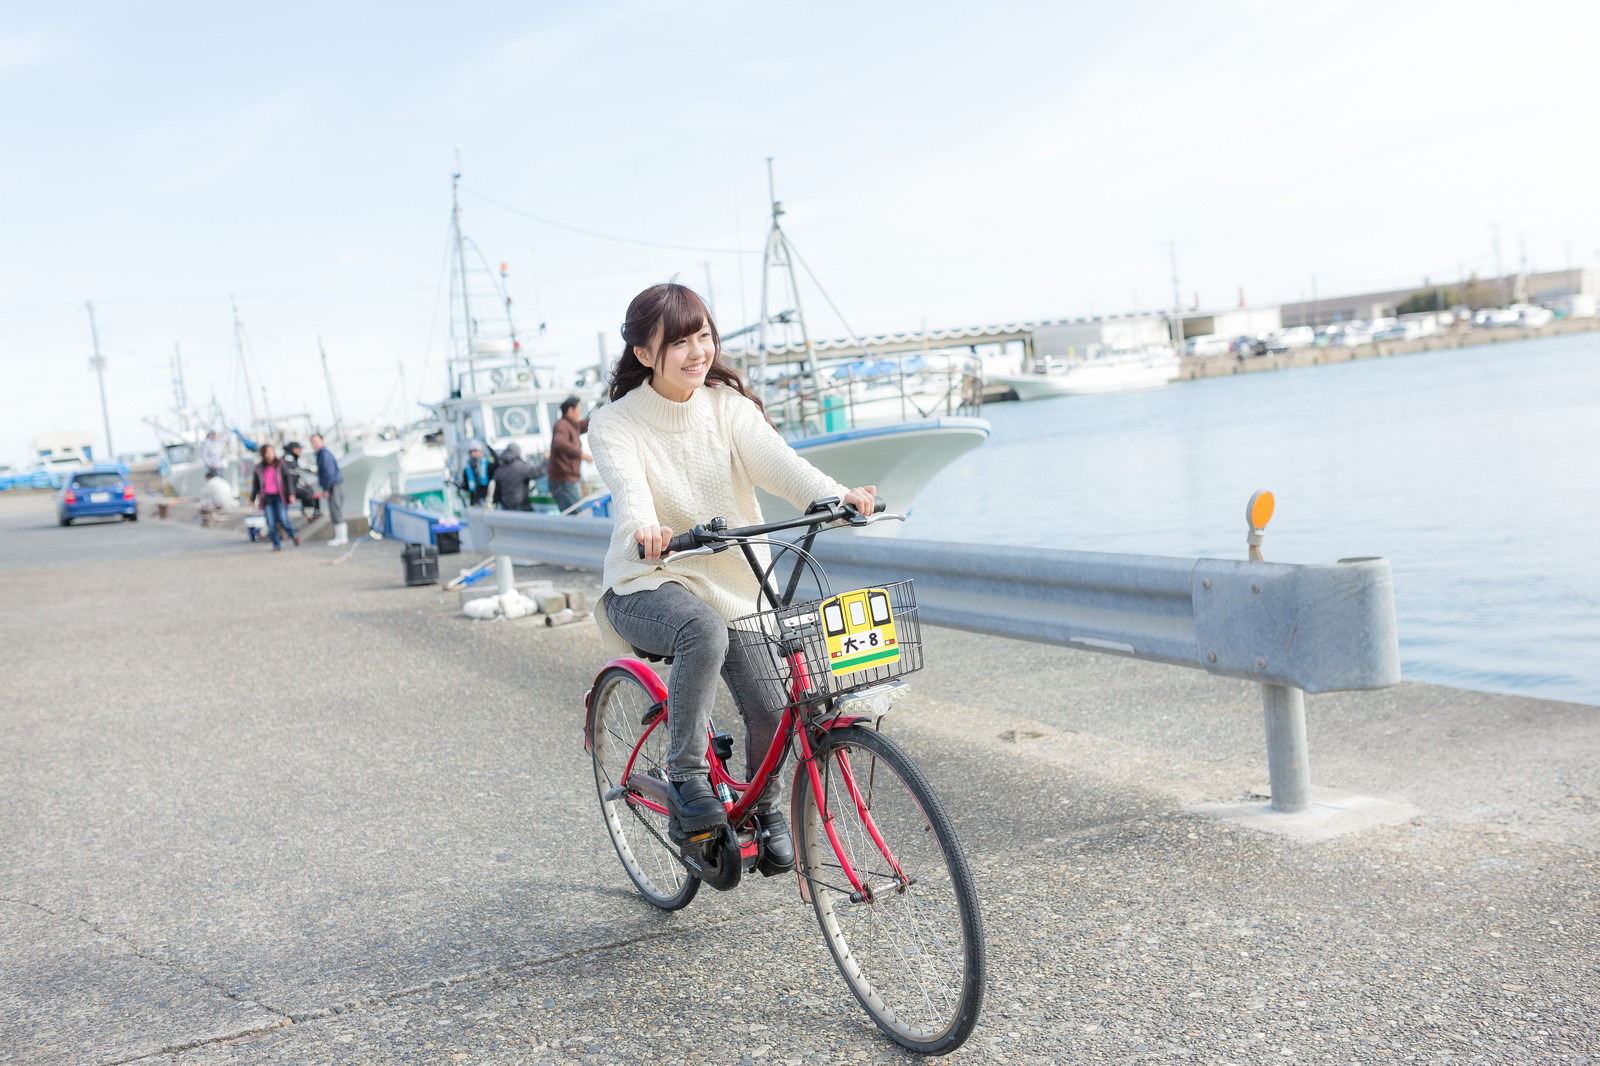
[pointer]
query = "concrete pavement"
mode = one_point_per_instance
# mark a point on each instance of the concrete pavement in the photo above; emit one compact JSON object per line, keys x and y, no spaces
{"x":278,"y":808}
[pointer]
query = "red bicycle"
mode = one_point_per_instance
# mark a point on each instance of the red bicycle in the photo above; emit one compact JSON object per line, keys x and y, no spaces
{"x":876,"y":855}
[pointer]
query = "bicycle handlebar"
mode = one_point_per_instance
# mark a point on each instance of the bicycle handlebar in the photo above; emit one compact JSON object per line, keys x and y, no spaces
{"x":715,"y":534}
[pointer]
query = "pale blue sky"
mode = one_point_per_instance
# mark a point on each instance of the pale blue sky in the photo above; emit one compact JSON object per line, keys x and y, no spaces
{"x":951,"y":164}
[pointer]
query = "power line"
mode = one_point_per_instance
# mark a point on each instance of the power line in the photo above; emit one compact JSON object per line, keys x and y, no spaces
{"x":605,"y":236}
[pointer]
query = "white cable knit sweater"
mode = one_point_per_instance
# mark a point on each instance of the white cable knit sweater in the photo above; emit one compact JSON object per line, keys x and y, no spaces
{"x":678,"y":464}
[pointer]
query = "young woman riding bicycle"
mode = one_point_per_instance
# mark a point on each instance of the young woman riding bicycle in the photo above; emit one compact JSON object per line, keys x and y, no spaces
{"x":682,"y":438}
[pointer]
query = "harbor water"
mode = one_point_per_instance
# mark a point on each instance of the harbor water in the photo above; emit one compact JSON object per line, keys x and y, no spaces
{"x":1475,"y":471}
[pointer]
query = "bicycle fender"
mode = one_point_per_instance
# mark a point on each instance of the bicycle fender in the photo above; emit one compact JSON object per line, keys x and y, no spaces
{"x":645,"y":676}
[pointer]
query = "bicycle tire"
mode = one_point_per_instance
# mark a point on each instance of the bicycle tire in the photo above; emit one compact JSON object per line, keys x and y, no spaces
{"x":913,"y":955}
{"x":617,"y":715}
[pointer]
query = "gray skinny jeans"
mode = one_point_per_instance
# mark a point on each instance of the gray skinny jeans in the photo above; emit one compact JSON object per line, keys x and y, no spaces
{"x":671,"y":620}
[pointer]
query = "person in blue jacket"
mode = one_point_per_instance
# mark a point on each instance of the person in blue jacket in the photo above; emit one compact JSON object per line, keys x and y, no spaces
{"x":332,"y":482}
{"x":476,"y":476}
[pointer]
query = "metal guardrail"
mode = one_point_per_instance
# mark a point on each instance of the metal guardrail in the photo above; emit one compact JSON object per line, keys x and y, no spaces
{"x":1293,"y":628}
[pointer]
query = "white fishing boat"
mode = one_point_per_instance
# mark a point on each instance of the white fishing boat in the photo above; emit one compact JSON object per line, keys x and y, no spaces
{"x":498,"y":392}
{"x":393,"y":461}
{"x":893,"y":423}
{"x":1110,"y":371}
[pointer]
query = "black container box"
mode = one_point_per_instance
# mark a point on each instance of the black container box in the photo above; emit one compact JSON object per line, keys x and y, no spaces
{"x":422,"y":564}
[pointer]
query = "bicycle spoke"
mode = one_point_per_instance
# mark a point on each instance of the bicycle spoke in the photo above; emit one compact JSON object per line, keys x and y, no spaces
{"x":625,"y":742}
{"x":911,"y":948}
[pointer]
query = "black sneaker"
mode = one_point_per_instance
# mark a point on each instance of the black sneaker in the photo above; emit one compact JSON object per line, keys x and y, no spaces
{"x":777,"y":857}
{"x":694,"y":808}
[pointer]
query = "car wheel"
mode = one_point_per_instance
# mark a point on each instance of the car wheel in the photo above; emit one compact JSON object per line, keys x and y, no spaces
{"x":134,"y":517}
{"x":66,"y":521}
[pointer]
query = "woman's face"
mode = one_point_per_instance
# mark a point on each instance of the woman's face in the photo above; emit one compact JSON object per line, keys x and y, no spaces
{"x":679,"y":367}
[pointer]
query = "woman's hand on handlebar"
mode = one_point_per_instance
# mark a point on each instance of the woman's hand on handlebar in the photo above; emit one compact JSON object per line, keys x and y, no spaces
{"x":863,"y":499}
{"x":652,"y":540}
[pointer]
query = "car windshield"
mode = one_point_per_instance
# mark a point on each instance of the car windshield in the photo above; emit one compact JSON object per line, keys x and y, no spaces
{"x":98,"y":480}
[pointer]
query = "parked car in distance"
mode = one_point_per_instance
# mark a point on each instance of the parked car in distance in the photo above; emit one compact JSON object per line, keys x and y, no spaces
{"x":1532,"y":316}
{"x":1293,"y":337}
{"x":100,"y":491}
{"x":1209,"y":344}
{"x":1490,"y":317}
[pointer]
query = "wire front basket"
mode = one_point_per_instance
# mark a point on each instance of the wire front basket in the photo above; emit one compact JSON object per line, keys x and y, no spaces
{"x":847,"y":642}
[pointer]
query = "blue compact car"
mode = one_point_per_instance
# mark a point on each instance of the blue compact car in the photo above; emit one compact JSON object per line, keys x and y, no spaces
{"x":101,"y":491}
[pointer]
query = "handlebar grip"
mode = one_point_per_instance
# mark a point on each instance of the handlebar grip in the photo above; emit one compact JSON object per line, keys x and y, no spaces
{"x":684,"y":541}
{"x":879,"y":505}
{"x":680,"y":543}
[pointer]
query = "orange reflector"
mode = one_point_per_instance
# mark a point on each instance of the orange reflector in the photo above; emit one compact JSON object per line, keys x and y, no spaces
{"x":1258,"y":512}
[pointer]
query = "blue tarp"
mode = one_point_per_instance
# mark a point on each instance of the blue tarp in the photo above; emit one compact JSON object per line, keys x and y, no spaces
{"x":30,"y":479}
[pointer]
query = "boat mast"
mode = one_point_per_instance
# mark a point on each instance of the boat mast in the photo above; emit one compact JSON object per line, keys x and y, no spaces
{"x":180,"y":393}
{"x":467,"y":325}
{"x":779,"y":256}
{"x":244,"y":363}
{"x":333,"y":401}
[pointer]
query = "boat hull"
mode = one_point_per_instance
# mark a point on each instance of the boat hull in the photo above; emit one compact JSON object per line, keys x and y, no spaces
{"x":1087,"y":380}
{"x":900,"y":459}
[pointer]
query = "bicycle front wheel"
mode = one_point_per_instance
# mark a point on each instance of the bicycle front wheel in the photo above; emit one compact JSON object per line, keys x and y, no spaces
{"x":622,"y":727}
{"x":909,"y":942}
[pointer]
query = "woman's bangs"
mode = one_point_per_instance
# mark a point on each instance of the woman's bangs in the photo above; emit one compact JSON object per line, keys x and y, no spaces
{"x":682,"y":315}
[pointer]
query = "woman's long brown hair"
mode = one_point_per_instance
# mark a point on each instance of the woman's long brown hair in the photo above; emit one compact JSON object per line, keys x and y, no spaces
{"x":678,"y":312}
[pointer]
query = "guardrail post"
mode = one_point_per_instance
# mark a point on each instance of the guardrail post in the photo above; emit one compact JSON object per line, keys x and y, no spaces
{"x":1288,"y":764}
{"x":505,"y":576}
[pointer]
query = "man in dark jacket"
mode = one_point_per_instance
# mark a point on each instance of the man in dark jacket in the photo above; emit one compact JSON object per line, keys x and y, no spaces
{"x":310,"y":501}
{"x":567,"y":454}
{"x":511,"y":479}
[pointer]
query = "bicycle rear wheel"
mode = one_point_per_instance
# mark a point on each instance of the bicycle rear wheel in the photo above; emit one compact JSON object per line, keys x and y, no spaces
{"x":911,"y":949}
{"x":618,"y":728}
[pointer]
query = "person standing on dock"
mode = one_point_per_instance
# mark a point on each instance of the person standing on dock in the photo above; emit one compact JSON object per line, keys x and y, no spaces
{"x":476,"y":476}
{"x":211,"y":452}
{"x":567,"y":455}
{"x":310,"y":502}
{"x":332,"y":481}
{"x":269,"y":489}
{"x":511,"y":477}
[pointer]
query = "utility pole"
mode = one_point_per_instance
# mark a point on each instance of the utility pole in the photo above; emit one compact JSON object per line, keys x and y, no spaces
{"x":98,"y":363}
{"x":1519,"y":292}
{"x":1499,"y":272}
{"x":1315,"y":317}
{"x":1177,"y":300}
